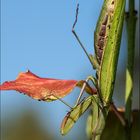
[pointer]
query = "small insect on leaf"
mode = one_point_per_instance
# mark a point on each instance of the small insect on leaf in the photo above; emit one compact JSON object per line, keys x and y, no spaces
{"x":45,"y":89}
{"x":72,"y":116}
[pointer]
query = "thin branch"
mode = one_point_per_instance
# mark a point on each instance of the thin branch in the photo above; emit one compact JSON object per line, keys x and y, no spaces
{"x":131,"y":27}
{"x":118,"y":114}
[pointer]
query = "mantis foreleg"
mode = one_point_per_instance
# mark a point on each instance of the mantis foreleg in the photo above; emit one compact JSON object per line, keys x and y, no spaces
{"x":93,"y":80}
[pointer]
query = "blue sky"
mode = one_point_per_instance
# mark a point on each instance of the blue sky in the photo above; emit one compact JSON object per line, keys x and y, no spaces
{"x":36,"y":35}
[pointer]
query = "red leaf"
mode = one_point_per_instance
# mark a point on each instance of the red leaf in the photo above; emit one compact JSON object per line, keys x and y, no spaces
{"x":42,"y":88}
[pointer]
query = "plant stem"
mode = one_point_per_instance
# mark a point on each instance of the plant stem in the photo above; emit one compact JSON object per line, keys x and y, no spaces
{"x":131,"y":26}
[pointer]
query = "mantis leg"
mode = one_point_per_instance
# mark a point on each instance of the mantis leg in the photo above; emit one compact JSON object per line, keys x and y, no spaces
{"x":58,"y":98}
{"x":95,"y":63}
{"x":93,"y":80}
{"x":61,"y":100}
{"x":76,"y":36}
{"x":81,"y":92}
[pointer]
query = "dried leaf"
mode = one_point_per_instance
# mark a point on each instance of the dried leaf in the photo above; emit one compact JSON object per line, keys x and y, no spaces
{"x":46,"y":89}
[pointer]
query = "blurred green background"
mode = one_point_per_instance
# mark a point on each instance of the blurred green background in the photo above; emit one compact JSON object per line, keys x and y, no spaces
{"x":36,"y":35}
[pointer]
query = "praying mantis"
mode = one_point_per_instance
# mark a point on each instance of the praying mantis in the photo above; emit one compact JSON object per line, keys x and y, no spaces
{"x":107,"y":38}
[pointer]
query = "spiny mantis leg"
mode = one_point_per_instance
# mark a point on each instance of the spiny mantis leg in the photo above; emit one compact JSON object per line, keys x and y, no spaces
{"x":76,"y":36}
{"x":83,"y":88}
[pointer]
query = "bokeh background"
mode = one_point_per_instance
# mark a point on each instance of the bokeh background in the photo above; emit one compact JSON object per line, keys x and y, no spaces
{"x":36,"y":35}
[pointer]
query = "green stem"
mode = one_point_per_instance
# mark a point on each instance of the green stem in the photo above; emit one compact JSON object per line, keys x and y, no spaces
{"x":131,"y":26}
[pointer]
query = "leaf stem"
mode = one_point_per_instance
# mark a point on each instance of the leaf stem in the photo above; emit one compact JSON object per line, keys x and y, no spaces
{"x":131,"y":26}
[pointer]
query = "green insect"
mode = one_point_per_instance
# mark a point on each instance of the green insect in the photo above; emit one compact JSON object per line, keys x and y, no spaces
{"x":107,"y":38}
